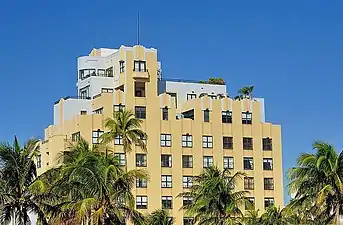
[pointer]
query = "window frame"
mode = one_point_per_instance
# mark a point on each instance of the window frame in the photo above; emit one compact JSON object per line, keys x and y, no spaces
{"x":164,"y":141}
{"x":266,"y":162}
{"x":139,"y":162}
{"x":121,"y":66}
{"x":168,"y":200}
{"x":232,"y":163}
{"x":188,"y":162}
{"x":186,"y":200}
{"x":166,"y":163}
{"x":227,"y":116}
{"x":248,"y":143}
{"x":207,"y":141}
{"x":39,"y":161}
{"x":141,"y":204}
{"x":249,"y":183}
{"x":141,"y":183}
{"x":140,"y":112}
{"x":247,"y":117}
{"x":141,"y":66}
{"x":251,"y":163}
{"x":121,"y":158}
{"x":206,"y":115}
{"x":269,"y":200}
{"x":191,"y":96}
{"x":166,"y":183}
{"x":75,"y":137}
{"x":118,"y":108}
{"x":118,"y":140}
{"x":227,"y":142}
{"x":267,"y":144}
{"x":187,"y":181}
{"x":96,"y":134}
{"x":187,"y":141}
{"x":207,"y":161}
{"x":268,"y":183}
{"x":165,"y":112}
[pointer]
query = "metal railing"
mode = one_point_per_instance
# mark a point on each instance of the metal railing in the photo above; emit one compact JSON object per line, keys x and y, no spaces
{"x":95,"y":75}
{"x":73,"y":97}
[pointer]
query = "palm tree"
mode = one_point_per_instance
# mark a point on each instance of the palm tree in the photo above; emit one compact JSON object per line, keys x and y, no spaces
{"x":159,"y":217}
{"x":96,"y":190}
{"x":275,"y":216}
{"x":20,"y":192}
{"x":317,"y":180}
{"x":252,"y":218}
{"x":245,"y":92}
{"x":214,"y":198}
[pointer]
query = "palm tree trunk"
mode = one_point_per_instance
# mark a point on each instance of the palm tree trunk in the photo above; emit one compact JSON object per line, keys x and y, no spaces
{"x":338,"y":216}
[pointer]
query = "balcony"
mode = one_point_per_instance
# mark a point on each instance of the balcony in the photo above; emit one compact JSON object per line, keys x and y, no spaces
{"x":73,"y":97}
{"x":141,"y":74}
{"x":95,"y":74}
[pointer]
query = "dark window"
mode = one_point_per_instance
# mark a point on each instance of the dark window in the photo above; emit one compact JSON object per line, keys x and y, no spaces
{"x":84,"y":93}
{"x":267,"y":144}
{"x":188,"y":221}
{"x":246,"y":118}
{"x":227,"y":143}
{"x":187,"y":181}
{"x":188,"y":114}
{"x":102,"y":72}
{"x":250,"y":203}
{"x":191,"y":96}
{"x":141,"y":160}
{"x":268,"y":184}
{"x":208,"y":161}
{"x":248,"y":163}
{"x":248,"y":183}
{"x":187,"y":141}
{"x":75,"y":137}
{"x":95,"y":136}
{"x":139,"y":89}
{"x":99,"y":111}
{"x":141,"y":202}
{"x":121,"y":66}
{"x":167,"y":202}
{"x":166,"y":181}
{"x":206,"y":115}
{"x":165,"y":140}
{"x":85,"y":73}
{"x":166,"y":160}
{"x":165,"y":113}
{"x":228,"y":163}
{"x":267,"y":164}
{"x":207,"y":141}
{"x":268,"y":202}
{"x":117,"y":108}
{"x":118,"y":140}
{"x":141,"y":183}
{"x":121,"y":158}
{"x":109,"y":72}
{"x":139,"y":66}
{"x":39,"y":161}
{"x":83,"y":113}
{"x":187,"y":161}
{"x":226,"y":116}
{"x":247,"y":143}
{"x":187,"y":200}
{"x":140,"y":112}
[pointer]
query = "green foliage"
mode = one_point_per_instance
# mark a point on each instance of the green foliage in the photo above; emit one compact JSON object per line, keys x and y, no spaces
{"x":245,"y":93}
{"x":159,"y":217}
{"x":213,"y":80}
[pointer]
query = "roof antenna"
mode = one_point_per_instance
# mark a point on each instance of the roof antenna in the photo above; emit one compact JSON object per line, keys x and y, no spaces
{"x":138,"y":30}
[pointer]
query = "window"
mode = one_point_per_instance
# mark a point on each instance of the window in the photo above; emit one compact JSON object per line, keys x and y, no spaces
{"x":246,"y":118}
{"x":39,"y":161}
{"x":83,"y":112}
{"x":208,"y":161}
{"x":166,"y":140}
{"x":268,"y":202}
{"x":191,"y":96}
{"x":143,"y":140}
{"x":206,"y":115}
{"x":109,"y":72}
{"x":166,"y":160}
{"x":188,"y":221}
{"x":268,"y":184}
{"x":207,"y":141}
{"x":187,"y":200}
{"x":141,"y":160}
{"x":267,"y":164}
{"x":139,"y":66}
{"x":248,"y":183}
{"x":83,"y":74}
{"x":141,"y":183}
{"x":84,"y":92}
{"x":140,"y":112}
{"x":75,"y":137}
{"x":267,"y":144}
{"x":227,"y":116}
{"x":167,"y":202}
{"x":139,"y":89}
{"x":166,"y":181}
{"x":117,"y":108}
{"x":106,"y":90}
{"x":99,"y":111}
{"x":118,"y":140}
{"x":121,"y":66}
{"x":250,"y":203}
{"x":247,"y":143}
{"x":187,"y":141}
{"x":187,"y":161}
{"x":101,"y":72}
{"x":228,"y":163}
{"x":121,"y":158}
{"x":141,"y":202}
{"x":248,"y":163}
{"x":165,"y":113}
{"x":187,"y":181}
{"x":227,"y":143}
{"x":95,"y":136}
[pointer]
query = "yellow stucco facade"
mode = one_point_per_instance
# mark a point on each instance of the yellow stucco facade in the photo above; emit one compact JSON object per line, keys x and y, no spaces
{"x":206,"y":137}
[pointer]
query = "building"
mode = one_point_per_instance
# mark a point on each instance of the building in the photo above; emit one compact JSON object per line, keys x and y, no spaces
{"x":190,"y":125}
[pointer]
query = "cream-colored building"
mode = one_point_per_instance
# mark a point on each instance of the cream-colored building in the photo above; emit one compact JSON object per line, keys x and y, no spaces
{"x":190,"y":126}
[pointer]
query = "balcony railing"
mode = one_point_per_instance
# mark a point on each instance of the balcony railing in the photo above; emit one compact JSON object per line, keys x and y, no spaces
{"x":73,"y":97}
{"x":94,"y":74}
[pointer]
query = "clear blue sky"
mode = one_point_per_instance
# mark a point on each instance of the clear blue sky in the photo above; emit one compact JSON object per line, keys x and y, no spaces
{"x":291,"y":51}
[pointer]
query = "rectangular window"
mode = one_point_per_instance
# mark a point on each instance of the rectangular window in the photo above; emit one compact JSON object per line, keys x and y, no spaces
{"x":143,"y":140}
{"x":117,"y":108}
{"x":165,"y":140}
{"x":166,"y":181}
{"x":83,"y":74}
{"x":268,"y":202}
{"x":95,"y":136}
{"x":84,"y":93}
{"x":167,"y":202}
{"x":268,"y":184}
{"x":247,"y":143}
{"x":248,"y":163}
{"x":187,"y":161}
{"x":187,"y":141}
{"x":187,"y":181}
{"x":39,"y":161}
{"x":83,"y":113}
{"x":207,"y":141}
{"x":267,"y":164}
{"x":206,"y":115}
{"x":141,"y":183}
{"x":102,"y":72}
{"x":141,"y":160}
{"x":99,"y":111}
{"x":187,"y":200}
{"x":228,"y":163}
{"x":141,"y":202}
{"x":267,"y":144}
{"x":106,"y":90}
{"x":121,"y":66}
{"x":208,"y":161}
{"x":250,"y":203}
{"x":121,"y":158}
{"x":246,"y":118}
{"x":75,"y":137}
{"x":109,"y":72}
{"x":140,"y":112}
{"x":227,"y":143}
{"x":188,"y":221}
{"x":191,"y":96}
{"x":139,"y":66}
{"x":118,"y":140}
{"x":166,"y":161}
{"x":227,"y":116}
{"x":165,"y":113}
{"x":248,"y":183}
